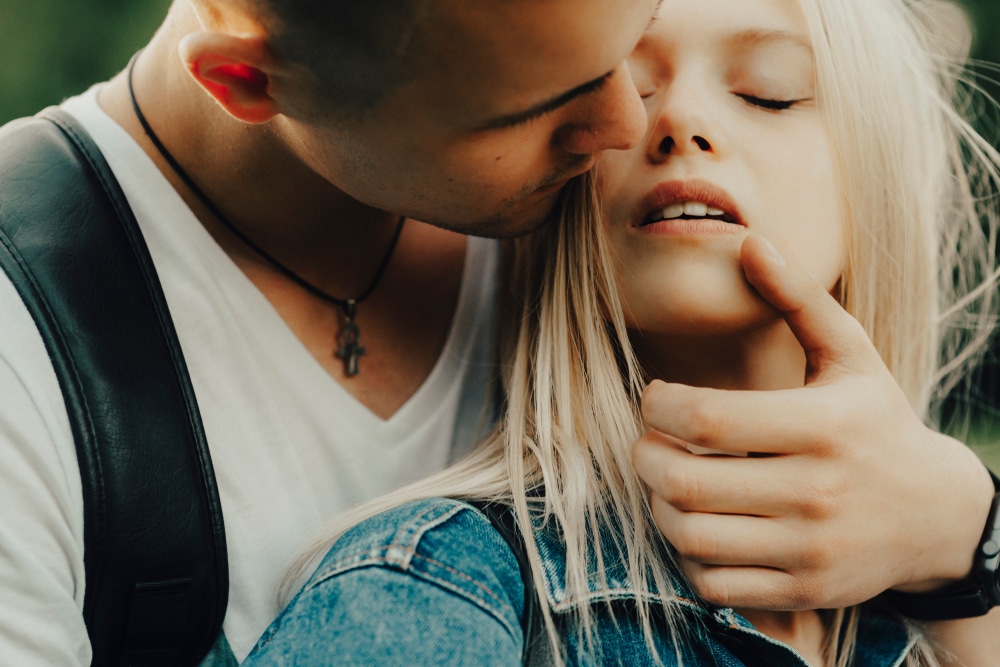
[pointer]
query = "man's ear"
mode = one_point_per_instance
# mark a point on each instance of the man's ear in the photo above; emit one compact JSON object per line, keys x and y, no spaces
{"x":235,"y":71}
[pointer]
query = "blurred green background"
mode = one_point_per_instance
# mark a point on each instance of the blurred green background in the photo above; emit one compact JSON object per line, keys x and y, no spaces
{"x":51,"y":49}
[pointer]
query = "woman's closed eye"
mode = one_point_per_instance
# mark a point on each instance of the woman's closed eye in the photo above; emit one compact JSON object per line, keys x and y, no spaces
{"x":769,"y":104}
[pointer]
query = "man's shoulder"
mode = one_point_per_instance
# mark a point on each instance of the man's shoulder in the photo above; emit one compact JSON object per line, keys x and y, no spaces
{"x":51,"y":167}
{"x":32,"y":147}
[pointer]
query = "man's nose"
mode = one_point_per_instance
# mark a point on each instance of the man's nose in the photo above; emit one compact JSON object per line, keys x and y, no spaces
{"x":612,"y":117}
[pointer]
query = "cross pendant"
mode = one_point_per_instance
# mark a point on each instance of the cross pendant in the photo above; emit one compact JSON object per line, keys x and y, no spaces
{"x":350,"y":336}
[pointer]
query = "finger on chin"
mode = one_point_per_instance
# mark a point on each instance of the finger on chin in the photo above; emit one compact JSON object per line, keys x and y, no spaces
{"x":824,"y":329}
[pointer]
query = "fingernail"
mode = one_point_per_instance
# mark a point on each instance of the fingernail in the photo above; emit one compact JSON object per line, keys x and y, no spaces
{"x":773,"y":253}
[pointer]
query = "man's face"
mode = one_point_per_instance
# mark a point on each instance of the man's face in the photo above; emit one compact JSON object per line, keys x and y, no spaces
{"x":510,"y":100}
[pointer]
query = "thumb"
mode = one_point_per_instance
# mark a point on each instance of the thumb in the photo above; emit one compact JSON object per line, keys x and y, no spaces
{"x":827,"y":333}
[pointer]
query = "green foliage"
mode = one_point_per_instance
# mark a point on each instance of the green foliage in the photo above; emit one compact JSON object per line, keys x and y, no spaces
{"x":51,"y":49}
{"x":985,"y":15}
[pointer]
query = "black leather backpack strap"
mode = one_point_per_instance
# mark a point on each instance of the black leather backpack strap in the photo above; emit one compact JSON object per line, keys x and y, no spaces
{"x":155,"y":552}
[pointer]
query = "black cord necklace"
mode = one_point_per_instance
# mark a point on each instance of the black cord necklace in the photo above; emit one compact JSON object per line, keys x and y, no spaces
{"x":348,"y":340}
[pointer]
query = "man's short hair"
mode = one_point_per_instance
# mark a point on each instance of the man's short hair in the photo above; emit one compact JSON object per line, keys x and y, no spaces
{"x":357,"y":48}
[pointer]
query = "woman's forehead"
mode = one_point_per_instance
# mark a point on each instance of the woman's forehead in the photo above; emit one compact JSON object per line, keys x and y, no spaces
{"x":740,"y":22}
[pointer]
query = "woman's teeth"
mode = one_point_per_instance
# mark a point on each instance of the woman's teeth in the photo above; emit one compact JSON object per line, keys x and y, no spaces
{"x":691,"y":209}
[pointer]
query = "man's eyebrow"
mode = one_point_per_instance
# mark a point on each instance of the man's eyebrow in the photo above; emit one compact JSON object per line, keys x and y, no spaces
{"x":547,"y":106}
{"x":560,"y":100}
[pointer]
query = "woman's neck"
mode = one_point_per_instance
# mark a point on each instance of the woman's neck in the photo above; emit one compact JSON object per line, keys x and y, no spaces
{"x":804,"y":631}
{"x":763,"y":358}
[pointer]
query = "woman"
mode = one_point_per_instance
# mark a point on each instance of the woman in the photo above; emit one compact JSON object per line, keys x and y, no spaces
{"x":776,"y":119}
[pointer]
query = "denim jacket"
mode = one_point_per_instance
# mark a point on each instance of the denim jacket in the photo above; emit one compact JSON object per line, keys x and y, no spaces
{"x":433,"y":583}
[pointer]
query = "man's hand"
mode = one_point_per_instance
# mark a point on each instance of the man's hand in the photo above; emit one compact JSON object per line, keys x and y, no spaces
{"x":846,"y":492}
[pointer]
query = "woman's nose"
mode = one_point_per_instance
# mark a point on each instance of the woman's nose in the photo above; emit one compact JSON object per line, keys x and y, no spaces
{"x":683,"y":125}
{"x":697,"y":143}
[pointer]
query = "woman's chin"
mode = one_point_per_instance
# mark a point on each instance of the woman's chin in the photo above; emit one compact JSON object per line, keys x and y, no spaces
{"x":692,"y":312}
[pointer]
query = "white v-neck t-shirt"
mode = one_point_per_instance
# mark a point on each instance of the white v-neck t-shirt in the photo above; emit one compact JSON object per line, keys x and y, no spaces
{"x":291,"y":448}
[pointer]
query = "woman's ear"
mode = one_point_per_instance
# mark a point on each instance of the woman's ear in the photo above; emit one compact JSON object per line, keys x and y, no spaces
{"x":235,"y":71}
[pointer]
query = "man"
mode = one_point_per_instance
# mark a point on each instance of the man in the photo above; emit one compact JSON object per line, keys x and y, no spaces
{"x":308,"y":129}
{"x":293,"y":135}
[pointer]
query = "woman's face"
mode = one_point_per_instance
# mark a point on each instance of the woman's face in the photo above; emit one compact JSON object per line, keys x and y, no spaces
{"x":734,"y":145}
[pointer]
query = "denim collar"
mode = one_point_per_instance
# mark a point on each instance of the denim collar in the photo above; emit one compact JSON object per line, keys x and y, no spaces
{"x":883,"y":640}
{"x":615,"y":583}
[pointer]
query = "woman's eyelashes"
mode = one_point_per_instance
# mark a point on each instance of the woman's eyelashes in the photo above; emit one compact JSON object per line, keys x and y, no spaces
{"x":769,"y":103}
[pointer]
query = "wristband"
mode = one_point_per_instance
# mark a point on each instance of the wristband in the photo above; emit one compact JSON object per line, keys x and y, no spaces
{"x":973,"y":596}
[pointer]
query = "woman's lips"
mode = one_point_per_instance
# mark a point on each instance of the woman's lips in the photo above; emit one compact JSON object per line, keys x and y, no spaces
{"x":691,"y":227}
{"x":688,"y":207}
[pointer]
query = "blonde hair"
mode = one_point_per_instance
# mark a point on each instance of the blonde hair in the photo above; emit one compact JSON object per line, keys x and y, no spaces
{"x":919,"y":278}
{"x":918,"y":186}
{"x":917,"y":183}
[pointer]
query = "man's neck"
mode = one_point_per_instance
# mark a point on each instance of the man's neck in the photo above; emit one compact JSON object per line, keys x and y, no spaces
{"x":249,"y":174}
{"x":326,"y":237}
